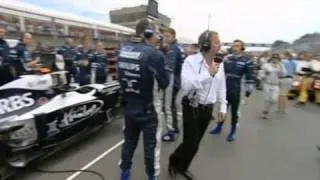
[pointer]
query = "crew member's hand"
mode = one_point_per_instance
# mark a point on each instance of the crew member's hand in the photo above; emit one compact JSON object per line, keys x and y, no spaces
{"x":246,"y":100}
{"x":165,"y":46}
{"x":33,"y":64}
{"x":213,"y":68}
{"x":222,"y":116}
{"x":84,"y":63}
{"x":13,"y":71}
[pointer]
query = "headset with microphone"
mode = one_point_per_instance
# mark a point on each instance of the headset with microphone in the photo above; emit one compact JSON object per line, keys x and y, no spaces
{"x":205,"y":44}
{"x":242,"y":46}
{"x":149,"y":31}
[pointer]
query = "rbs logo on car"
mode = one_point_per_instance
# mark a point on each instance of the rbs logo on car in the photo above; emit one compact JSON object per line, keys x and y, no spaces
{"x":15,"y":103}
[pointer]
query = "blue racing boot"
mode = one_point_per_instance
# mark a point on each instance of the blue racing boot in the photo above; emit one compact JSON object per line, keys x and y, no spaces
{"x":176,"y":130}
{"x":153,"y":178}
{"x":217,"y":129}
{"x":169,"y":136}
{"x":232,"y":135}
{"x":125,"y":175}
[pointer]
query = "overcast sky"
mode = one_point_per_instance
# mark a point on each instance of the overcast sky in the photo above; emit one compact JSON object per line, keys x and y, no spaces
{"x":259,"y":21}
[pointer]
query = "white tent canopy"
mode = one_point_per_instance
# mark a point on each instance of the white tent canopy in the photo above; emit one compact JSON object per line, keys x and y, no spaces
{"x":183,"y":40}
{"x":18,"y":7}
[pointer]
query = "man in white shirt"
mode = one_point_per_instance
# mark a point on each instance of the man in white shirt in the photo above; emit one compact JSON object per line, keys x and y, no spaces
{"x":203,"y":84}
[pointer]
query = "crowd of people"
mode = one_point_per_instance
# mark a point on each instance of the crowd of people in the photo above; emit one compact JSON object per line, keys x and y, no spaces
{"x":207,"y":76}
{"x":86,"y":64}
{"x":204,"y":77}
{"x":154,"y":70}
{"x":288,"y":75}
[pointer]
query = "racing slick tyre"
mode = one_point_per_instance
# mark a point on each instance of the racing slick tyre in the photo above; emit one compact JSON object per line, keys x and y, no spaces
{"x":5,"y":170}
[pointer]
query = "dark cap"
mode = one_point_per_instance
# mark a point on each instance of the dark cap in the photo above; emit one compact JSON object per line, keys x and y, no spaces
{"x":143,"y":26}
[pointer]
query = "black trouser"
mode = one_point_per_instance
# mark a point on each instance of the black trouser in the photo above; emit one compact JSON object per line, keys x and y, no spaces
{"x":195,"y":123}
{"x":258,"y":84}
{"x":149,"y":125}
{"x":84,"y":77}
{"x":101,"y":76}
{"x":6,"y":74}
{"x":174,"y":108}
{"x":101,"y":79}
{"x":73,"y":72}
{"x":233,"y":99}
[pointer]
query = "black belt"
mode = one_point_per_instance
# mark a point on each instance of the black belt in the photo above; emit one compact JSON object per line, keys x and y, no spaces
{"x":286,"y":77}
{"x":186,"y":101}
{"x":205,"y":106}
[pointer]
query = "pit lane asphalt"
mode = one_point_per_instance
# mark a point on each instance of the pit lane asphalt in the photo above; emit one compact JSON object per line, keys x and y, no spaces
{"x":281,"y":148}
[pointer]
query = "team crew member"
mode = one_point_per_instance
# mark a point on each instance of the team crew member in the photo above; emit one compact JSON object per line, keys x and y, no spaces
{"x":19,"y":57}
{"x":4,"y":48}
{"x":174,"y":60}
{"x":271,"y":76}
{"x":138,"y":64}
{"x":99,"y":65}
{"x":236,"y":65}
{"x":5,"y":75}
{"x":84,"y":55}
{"x":203,"y":83}
{"x":69,"y":54}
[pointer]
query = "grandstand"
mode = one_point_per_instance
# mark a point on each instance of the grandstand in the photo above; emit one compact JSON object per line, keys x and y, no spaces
{"x":53,"y":26}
